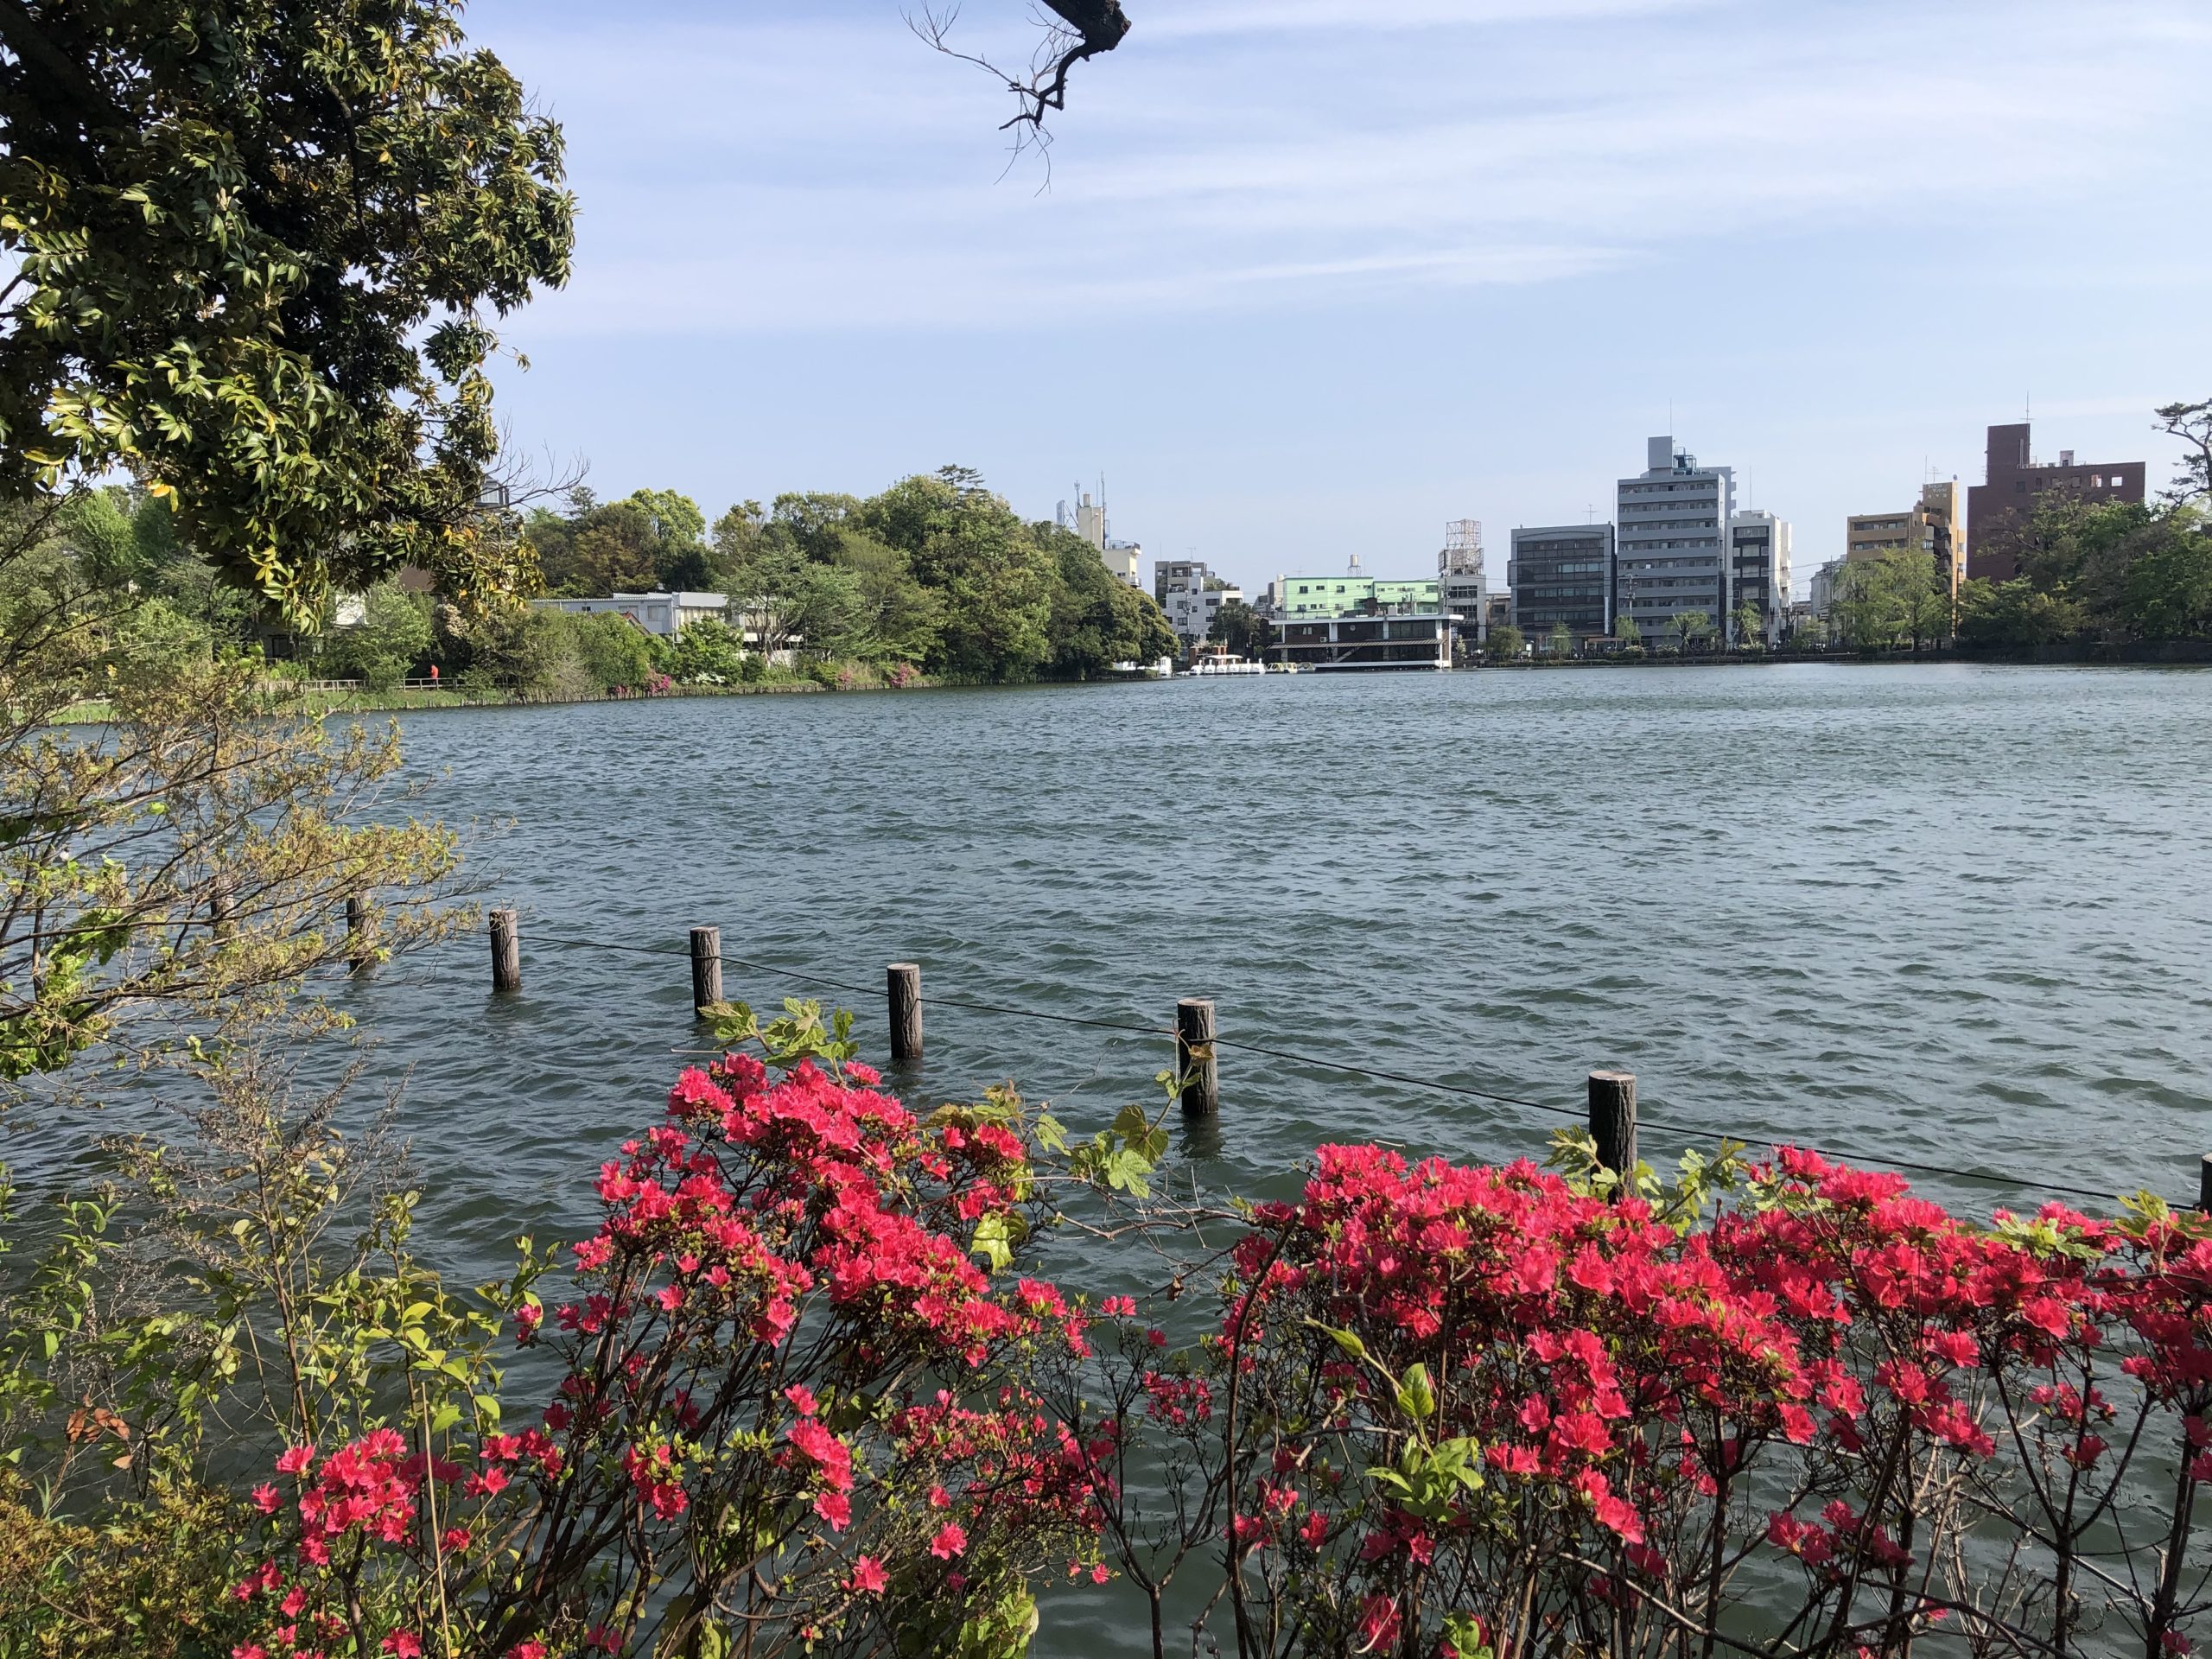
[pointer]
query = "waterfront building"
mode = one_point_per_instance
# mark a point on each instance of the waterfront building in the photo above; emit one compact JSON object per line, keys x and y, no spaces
{"x":663,"y":614}
{"x":2014,"y":482}
{"x":1497,"y":612}
{"x":1377,"y":640}
{"x":1191,"y":595}
{"x":1463,"y":586}
{"x":1936,"y":527}
{"x":1671,"y":556}
{"x":1311,"y":598}
{"x":1758,"y":570}
{"x":1561,"y":574}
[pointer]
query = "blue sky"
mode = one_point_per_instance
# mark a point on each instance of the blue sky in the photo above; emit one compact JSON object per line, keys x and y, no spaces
{"x":1309,"y":278}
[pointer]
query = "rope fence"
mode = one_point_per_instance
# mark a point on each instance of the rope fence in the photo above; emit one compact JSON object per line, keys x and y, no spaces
{"x":1610,"y":1114}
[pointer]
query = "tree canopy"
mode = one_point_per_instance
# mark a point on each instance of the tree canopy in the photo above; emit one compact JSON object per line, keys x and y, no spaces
{"x":254,"y":247}
{"x":936,"y":571}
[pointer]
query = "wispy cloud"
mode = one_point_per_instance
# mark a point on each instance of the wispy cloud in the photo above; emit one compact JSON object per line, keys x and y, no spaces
{"x":796,"y":172}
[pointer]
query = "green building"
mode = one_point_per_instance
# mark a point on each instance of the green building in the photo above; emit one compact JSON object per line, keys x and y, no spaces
{"x":1309,"y":598}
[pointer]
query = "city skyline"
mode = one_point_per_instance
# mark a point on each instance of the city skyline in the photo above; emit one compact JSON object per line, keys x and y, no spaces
{"x":1318,"y":279}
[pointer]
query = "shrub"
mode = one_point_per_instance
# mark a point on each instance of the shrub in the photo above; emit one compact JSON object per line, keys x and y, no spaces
{"x":1485,"y":1410}
{"x":788,"y":1399}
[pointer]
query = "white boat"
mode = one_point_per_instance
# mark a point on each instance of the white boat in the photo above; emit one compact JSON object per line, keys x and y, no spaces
{"x":1224,"y":663}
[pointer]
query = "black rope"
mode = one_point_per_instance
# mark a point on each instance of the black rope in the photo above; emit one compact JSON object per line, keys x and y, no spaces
{"x":1706,"y":1135}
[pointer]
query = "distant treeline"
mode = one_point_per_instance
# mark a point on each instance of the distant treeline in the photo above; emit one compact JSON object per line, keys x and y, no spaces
{"x":937,"y":573}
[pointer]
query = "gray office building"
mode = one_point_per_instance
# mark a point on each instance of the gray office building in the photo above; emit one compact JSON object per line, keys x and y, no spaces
{"x":1562,"y":573}
{"x":1671,"y":551}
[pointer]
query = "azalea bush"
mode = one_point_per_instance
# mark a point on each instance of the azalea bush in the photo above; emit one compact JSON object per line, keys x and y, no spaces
{"x":788,"y":1409}
{"x":1780,"y":1409}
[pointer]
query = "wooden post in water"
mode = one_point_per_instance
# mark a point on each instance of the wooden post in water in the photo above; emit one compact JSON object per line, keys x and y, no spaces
{"x":359,"y":952}
{"x":506,"y":953}
{"x":903,"y":981}
{"x":706,"y":968}
{"x":1612,"y":1119}
{"x":1195,"y":1064}
{"x":2204,"y":1182}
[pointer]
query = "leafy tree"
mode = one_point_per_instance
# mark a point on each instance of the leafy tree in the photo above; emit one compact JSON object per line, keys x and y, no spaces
{"x":393,"y":636}
{"x":252,"y":244}
{"x":2167,"y":591}
{"x":2016,"y":613}
{"x":615,"y":651}
{"x":764,"y":570}
{"x":1560,"y":641}
{"x":902,"y":615}
{"x":1750,"y":626}
{"x":829,"y":613}
{"x":676,"y":530}
{"x":1238,"y":627}
{"x":1690,"y":626}
{"x":1095,"y":619}
{"x":2192,"y":424}
{"x":706,"y":652}
{"x":1504,"y":644}
{"x":1625,"y":630}
{"x":991,"y":576}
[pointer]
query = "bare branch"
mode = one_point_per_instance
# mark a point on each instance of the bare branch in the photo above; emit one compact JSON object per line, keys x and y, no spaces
{"x":1075,"y":30}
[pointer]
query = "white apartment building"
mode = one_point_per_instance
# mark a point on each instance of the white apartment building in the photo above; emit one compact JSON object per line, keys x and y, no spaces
{"x":663,"y":614}
{"x":1758,"y":559}
{"x":1191,"y":595}
{"x":1671,"y":542}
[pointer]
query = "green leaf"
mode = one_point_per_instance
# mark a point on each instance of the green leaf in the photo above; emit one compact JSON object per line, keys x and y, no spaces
{"x":1348,"y":1340}
{"x":1416,"y":1395}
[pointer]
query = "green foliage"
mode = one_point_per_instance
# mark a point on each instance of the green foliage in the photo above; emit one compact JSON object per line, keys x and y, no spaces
{"x":2016,"y":613}
{"x":1560,"y":641}
{"x":706,"y":652}
{"x":937,"y":572}
{"x":1625,"y":630}
{"x":1236,"y":626}
{"x":2113,"y":570}
{"x":1097,"y":621}
{"x":255,"y":243}
{"x":616,"y":653}
{"x":1751,"y":627}
{"x":1691,"y":627}
{"x":385,"y":646}
{"x":1505,"y":644}
{"x":1901,"y":599}
{"x":993,"y":577}
{"x":150,"y":1580}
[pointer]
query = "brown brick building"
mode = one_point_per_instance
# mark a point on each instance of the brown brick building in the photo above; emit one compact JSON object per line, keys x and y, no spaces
{"x":1999,"y":508}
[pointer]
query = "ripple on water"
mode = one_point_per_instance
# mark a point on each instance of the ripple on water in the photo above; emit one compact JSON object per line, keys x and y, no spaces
{"x":1950,"y":915}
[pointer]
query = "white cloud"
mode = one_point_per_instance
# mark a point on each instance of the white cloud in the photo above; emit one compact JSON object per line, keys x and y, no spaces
{"x":806,"y":176}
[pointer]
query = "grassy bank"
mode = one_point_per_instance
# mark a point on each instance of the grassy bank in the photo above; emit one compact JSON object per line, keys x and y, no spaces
{"x":94,"y":710}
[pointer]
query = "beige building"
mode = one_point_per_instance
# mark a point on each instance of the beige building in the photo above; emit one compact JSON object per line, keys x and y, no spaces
{"x":1936,"y":527}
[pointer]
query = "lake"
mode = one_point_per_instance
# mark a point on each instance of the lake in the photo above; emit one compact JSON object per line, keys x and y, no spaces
{"x":1951,"y":914}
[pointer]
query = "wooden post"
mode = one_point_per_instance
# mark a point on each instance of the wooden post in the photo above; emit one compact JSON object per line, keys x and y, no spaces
{"x":706,"y":968}
{"x":359,"y":952}
{"x":2204,"y":1183}
{"x":904,"y":984}
{"x":1195,"y":1064}
{"x":1612,"y":1119}
{"x":507,"y":952}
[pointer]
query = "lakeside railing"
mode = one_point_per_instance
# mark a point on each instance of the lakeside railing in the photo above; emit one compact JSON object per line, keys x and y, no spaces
{"x":1609,"y":1109}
